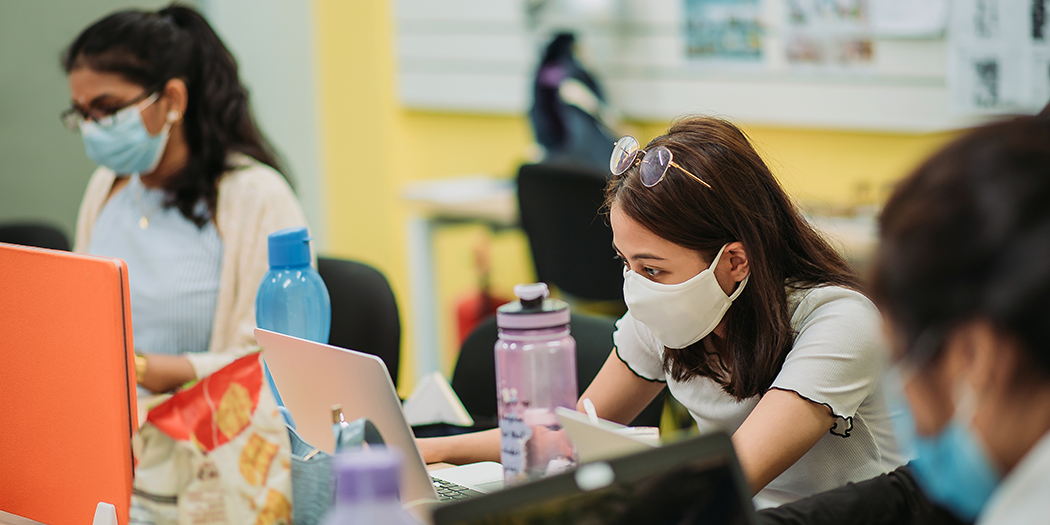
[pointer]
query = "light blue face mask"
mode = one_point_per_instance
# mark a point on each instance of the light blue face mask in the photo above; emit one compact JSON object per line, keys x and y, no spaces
{"x":951,"y":467}
{"x":121,"y":143}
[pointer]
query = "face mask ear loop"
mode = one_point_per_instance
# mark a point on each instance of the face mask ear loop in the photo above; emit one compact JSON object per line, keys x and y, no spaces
{"x":718,"y":257}
{"x":170,"y":119}
{"x":965,"y":400}
{"x":740,"y":286}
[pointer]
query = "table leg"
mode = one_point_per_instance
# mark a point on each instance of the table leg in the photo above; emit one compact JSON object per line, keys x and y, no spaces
{"x":425,"y":326}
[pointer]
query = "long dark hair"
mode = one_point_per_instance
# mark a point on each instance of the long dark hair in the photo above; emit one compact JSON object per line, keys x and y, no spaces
{"x":967,"y":236}
{"x":745,"y":204}
{"x":151,"y":48}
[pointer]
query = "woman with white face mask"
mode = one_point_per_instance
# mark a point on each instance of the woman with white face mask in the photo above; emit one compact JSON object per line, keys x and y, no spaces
{"x":748,"y":317}
{"x":187,"y":188}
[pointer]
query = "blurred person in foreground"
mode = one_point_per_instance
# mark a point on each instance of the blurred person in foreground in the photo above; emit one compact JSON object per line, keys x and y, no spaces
{"x":963,"y":280}
{"x":187,"y":189}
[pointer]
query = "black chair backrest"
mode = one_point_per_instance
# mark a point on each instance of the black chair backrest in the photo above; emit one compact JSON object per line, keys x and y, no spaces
{"x":34,"y":234}
{"x":570,"y":241}
{"x":364,"y":311}
{"x":474,"y":378}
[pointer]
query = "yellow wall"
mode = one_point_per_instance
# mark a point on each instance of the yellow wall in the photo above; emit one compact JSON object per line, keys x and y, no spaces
{"x":372,"y":147}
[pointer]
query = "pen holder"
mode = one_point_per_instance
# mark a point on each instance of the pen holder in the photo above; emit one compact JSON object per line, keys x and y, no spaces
{"x":313,"y":490}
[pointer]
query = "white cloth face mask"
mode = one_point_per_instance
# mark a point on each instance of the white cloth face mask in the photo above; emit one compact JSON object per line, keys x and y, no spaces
{"x":679,"y":314}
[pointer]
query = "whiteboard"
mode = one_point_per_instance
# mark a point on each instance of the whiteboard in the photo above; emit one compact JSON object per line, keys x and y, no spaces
{"x":480,"y":56}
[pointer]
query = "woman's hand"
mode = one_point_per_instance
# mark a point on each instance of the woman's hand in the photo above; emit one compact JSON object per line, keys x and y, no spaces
{"x":166,"y":372}
{"x":461,"y":449}
{"x":779,"y":431}
{"x":618,"y":393}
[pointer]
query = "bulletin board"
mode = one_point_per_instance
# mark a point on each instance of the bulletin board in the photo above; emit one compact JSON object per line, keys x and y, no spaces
{"x":881,"y":65}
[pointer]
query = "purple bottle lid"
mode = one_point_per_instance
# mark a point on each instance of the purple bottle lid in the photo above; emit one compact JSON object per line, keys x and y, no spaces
{"x":533,"y":310}
{"x":367,"y":475}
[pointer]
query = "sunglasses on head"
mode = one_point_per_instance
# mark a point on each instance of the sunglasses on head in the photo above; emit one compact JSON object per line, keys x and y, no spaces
{"x":655,"y":162}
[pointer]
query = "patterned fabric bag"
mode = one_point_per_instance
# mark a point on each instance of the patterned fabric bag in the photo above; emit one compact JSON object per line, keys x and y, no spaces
{"x":216,"y":453}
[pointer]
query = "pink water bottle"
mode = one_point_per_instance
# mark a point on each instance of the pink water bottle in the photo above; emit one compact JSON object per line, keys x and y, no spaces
{"x":535,"y":372}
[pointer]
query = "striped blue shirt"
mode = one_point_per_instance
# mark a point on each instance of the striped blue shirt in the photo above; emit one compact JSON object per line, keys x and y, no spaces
{"x":173,"y":268}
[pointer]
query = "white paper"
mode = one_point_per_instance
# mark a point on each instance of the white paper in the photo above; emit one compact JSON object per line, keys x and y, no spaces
{"x":434,"y":401}
{"x":908,"y":18}
{"x":999,"y":56}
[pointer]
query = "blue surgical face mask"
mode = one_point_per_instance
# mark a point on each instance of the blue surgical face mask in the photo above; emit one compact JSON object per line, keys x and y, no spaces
{"x":952,"y":467}
{"x":121,"y":143}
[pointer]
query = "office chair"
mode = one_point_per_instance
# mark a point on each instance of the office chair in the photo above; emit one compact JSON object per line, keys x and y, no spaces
{"x":364,"y":311}
{"x":474,"y":378}
{"x":571,"y":242}
{"x":35,"y":234}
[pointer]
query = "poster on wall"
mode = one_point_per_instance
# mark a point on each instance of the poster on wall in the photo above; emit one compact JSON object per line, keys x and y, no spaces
{"x":828,"y":35}
{"x":999,"y":56}
{"x":910,"y":19}
{"x":726,"y":31}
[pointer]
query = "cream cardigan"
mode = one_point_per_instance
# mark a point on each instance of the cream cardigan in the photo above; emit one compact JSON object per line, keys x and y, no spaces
{"x":253,"y":202}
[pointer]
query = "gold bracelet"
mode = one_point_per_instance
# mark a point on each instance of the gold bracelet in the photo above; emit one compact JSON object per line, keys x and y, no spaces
{"x":140,"y":368}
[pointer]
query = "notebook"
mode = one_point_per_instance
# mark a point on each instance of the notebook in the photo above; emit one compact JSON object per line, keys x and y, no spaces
{"x":693,"y":481}
{"x":311,"y":377}
{"x":604,"y":440}
{"x":67,"y":385}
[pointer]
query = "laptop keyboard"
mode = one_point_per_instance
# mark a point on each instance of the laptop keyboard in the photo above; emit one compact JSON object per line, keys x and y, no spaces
{"x":448,"y":491}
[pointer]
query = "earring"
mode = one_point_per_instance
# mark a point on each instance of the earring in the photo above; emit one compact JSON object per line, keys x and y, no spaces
{"x":173,"y":116}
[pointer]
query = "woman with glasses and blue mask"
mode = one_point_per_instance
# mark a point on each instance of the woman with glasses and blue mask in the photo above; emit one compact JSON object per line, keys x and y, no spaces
{"x":735,"y":303}
{"x":187,"y":188}
{"x":963,"y":281}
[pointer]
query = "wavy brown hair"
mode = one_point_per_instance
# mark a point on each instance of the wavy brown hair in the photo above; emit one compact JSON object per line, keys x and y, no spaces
{"x":745,"y":204}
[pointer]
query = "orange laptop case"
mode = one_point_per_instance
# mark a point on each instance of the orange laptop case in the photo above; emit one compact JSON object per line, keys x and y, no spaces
{"x":67,"y":385}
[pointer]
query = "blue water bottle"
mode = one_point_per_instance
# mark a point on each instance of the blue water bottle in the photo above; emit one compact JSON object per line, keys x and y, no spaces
{"x":292,"y":298}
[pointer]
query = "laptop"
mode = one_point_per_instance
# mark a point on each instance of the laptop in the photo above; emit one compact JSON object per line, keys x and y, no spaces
{"x":692,"y":481}
{"x":312,"y":377}
{"x":67,"y":386}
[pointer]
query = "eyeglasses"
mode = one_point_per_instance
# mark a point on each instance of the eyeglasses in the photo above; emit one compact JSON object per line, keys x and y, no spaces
{"x":73,"y":116}
{"x":655,"y":162}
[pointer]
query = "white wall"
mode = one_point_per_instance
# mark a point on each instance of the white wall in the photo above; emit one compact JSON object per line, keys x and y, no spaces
{"x":273,"y":41}
{"x":480,"y":55}
{"x":43,"y":167}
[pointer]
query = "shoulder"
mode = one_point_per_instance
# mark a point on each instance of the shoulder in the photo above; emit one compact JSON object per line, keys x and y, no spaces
{"x":824,"y":303}
{"x":99,"y":185}
{"x":638,"y":348}
{"x":254,"y":197}
{"x":631,"y":332}
{"x":1021,"y":497}
{"x":249,"y":180}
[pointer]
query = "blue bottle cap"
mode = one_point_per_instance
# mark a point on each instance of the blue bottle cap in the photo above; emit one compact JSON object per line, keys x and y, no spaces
{"x":289,"y":247}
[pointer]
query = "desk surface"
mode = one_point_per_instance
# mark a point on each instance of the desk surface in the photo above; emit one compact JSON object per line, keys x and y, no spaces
{"x":478,"y":198}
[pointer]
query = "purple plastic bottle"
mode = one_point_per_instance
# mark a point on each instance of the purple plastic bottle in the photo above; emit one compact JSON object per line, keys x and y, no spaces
{"x":535,"y":372}
{"x":366,"y":489}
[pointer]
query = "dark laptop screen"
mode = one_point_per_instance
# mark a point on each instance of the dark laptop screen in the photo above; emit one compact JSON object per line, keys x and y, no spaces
{"x":696,"y":481}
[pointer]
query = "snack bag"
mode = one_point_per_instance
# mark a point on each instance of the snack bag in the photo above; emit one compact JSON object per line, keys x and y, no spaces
{"x":215,"y":453}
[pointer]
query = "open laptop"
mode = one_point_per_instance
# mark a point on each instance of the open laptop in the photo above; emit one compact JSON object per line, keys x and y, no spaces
{"x":312,"y":377}
{"x":692,"y":481}
{"x":67,"y":386}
